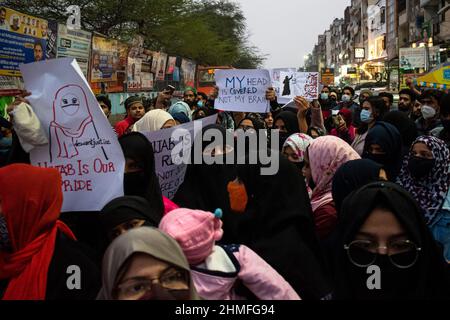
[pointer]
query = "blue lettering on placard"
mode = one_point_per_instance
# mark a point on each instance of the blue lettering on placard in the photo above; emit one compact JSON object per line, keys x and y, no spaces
{"x":233,"y":81}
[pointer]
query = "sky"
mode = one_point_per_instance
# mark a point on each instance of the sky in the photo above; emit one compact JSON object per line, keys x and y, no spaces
{"x":286,"y":30}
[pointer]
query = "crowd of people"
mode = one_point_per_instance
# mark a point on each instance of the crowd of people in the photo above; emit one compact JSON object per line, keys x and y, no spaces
{"x":361,"y":182}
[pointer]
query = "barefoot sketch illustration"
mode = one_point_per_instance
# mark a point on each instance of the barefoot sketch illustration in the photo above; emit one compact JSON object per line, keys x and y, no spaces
{"x":71,"y":117}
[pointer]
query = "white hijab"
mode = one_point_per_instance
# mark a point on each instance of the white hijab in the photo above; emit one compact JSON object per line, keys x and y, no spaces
{"x":152,"y":121}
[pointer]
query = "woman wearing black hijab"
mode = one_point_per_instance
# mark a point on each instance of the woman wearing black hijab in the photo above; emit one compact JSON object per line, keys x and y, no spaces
{"x":278,"y":225}
{"x":205,"y":186}
{"x":348,"y":178}
{"x":140,"y":177}
{"x":287,"y":123}
{"x":383,"y":145}
{"x":382,"y":225}
{"x":125,"y":213}
{"x":405,"y":126}
{"x":353,"y":175}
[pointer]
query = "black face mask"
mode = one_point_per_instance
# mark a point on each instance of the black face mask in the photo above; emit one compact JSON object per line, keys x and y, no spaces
{"x":378,"y":158}
{"x":396,"y":283}
{"x":420,"y":167}
{"x":446,"y":125}
{"x":300,"y":165}
{"x":135,"y":184}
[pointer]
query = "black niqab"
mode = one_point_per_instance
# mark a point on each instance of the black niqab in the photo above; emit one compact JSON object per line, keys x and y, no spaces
{"x":431,"y":278}
{"x":205,"y":186}
{"x":278,"y":225}
{"x":405,"y":126}
{"x":136,"y":146}
{"x":389,"y":139}
{"x":351,"y":176}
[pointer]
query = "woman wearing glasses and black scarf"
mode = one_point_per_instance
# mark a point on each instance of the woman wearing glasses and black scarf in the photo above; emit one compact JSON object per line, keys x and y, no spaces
{"x":382,"y":226}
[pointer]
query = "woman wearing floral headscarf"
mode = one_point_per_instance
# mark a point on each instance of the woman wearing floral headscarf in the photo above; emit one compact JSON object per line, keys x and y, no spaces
{"x":295,"y":148}
{"x":324,"y":157}
{"x":426,"y":176}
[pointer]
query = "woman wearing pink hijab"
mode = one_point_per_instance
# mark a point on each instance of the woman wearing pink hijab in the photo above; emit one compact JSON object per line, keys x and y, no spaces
{"x":324,"y":157}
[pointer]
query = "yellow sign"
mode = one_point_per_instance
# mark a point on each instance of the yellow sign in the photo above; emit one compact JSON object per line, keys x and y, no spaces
{"x":21,"y":23}
{"x":23,"y":39}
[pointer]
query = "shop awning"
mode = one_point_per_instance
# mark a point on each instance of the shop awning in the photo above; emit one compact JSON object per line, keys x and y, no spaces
{"x":438,"y":78}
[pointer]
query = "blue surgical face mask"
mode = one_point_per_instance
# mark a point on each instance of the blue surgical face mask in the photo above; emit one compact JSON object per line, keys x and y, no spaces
{"x":200,"y":104}
{"x":346,"y":98}
{"x":5,"y":242}
{"x":366,"y":116}
{"x":324,"y":96}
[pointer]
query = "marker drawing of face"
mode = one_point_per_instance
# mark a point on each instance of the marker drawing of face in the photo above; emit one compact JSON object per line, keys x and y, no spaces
{"x":70,"y":104}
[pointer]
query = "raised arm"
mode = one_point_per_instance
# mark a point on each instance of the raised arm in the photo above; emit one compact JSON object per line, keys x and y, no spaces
{"x":317,"y":115}
{"x":303,"y":107}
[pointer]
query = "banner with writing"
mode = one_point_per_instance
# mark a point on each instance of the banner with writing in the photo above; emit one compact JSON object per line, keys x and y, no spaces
{"x":242,"y":90}
{"x":304,"y":84}
{"x":82,"y":144}
{"x":171,"y":175}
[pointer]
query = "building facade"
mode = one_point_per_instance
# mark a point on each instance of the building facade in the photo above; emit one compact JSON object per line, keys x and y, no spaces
{"x":399,"y":38}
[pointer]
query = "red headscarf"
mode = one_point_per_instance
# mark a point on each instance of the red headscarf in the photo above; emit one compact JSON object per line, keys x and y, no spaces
{"x":31,"y":200}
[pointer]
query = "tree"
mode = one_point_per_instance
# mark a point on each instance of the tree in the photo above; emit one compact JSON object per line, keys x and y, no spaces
{"x":209,"y":32}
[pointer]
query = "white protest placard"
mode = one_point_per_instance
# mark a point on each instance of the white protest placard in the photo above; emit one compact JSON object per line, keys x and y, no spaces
{"x":171,"y":175}
{"x":276,"y":84}
{"x":304,"y":84}
{"x":242,"y":90}
{"x":82,"y":144}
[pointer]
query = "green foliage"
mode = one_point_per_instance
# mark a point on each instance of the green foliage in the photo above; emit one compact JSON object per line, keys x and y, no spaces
{"x":210,"y":32}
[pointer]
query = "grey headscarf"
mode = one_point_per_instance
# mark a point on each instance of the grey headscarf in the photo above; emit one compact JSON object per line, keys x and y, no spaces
{"x":146,"y":240}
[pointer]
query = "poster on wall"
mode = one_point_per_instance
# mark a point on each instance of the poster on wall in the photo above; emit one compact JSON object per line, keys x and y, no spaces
{"x":155,"y":61}
{"x":172,"y":63}
{"x":187,"y":73}
{"x":139,"y":70}
{"x":134,"y":74}
{"x":52,"y":38}
{"x":147,"y":78}
{"x":161,"y":67}
{"x":23,"y":39}
{"x":108,"y":65}
{"x":75,"y":44}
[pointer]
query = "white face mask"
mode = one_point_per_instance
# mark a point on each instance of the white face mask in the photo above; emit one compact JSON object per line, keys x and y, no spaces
{"x":346,"y":98}
{"x":428,"y":112}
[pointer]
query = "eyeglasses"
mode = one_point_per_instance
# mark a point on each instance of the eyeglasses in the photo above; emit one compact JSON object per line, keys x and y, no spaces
{"x":247,"y":128}
{"x":136,"y":288}
{"x":402,"y":253}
